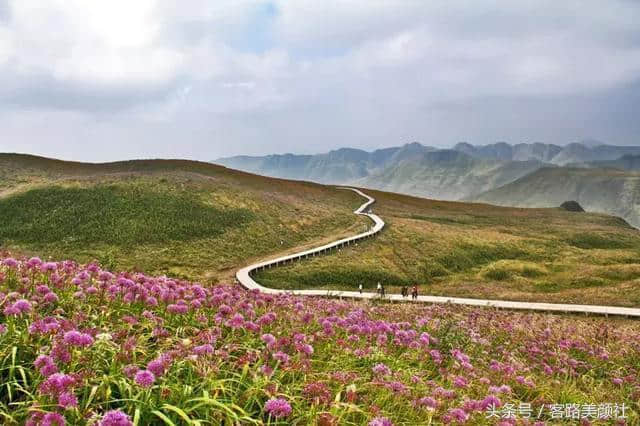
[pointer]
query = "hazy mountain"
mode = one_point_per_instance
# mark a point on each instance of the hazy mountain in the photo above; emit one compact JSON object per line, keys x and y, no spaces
{"x":626,"y":162}
{"x":340,"y":166}
{"x":504,"y":152}
{"x":525,"y":174}
{"x":446,"y":174}
{"x":576,"y":153}
{"x":609,"y":191}
{"x":587,"y":151}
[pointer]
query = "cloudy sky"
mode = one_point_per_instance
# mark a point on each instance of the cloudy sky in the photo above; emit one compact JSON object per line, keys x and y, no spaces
{"x":104,"y":80}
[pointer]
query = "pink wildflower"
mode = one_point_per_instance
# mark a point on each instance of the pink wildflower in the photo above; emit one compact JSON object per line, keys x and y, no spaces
{"x":67,"y":400}
{"x":269,"y":339}
{"x":115,"y":418}
{"x":428,"y":402}
{"x":380,"y":421}
{"x":278,"y":407}
{"x":144,"y":378}
{"x":458,"y":415}
{"x":56,"y":384}
{"x":460,"y":382}
{"x":381,"y":370}
{"x":281,"y":356}
{"x":10,"y":262}
{"x":76,"y":338}
{"x":22,"y":306}
{"x":53,"y":419}
{"x":205,"y":349}
{"x":237,"y":321}
{"x":491,"y":401}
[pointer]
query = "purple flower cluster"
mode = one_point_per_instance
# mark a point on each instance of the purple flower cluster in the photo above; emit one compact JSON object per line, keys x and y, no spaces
{"x":277,"y":407}
{"x":115,"y":418}
{"x":145,"y":378}
{"x":400,"y":363}
{"x":76,"y":338}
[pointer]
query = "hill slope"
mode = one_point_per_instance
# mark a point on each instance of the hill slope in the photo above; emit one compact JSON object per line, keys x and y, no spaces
{"x":203,"y":221}
{"x":179,"y":217}
{"x":609,"y":191}
{"x":484,"y":251}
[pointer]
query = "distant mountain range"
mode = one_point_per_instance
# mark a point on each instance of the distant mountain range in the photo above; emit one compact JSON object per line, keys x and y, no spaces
{"x":600,"y":177}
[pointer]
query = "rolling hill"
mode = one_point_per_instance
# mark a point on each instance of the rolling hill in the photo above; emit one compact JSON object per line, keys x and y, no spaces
{"x":479,"y":250}
{"x":602,"y":190}
{"x":183,"y":218}
{"x":202,"y":221}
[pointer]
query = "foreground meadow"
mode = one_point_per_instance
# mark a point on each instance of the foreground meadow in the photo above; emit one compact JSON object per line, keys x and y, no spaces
{"x":82,"y":345}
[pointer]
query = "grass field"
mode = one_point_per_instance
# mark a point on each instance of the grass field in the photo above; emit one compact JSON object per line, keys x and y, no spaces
{"x":201,"y":221}
{"x":83,"y":346}
{"x":476,"y":250}
{"x":182,"y":218}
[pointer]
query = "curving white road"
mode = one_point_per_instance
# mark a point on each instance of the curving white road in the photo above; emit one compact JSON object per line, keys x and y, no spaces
{"x":247,"y":281}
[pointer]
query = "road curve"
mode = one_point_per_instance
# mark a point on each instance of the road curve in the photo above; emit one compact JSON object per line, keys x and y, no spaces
{"x":244,"y":277}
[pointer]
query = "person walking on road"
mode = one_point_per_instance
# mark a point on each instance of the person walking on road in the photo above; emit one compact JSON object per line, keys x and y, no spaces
{"x":404,"y":291}
{"x":414,"y":292}
{"x":379,"y":288}
{"x":382,"y":291}
{"x":360,"y":288}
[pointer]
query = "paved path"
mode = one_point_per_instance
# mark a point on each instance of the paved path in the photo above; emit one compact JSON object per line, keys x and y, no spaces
{"x":246,"y":280}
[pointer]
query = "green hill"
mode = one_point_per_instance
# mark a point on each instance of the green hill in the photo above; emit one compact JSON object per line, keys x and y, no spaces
{"x":202,"y":221}
{"x":480,"y":250}
{"x":614,"y":192}
{"x":183,"y":218}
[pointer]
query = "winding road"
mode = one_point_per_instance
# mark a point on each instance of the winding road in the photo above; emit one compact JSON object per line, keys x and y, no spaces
{"x":245,"y":278}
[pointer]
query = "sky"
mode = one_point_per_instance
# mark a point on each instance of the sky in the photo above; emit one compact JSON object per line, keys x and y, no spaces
{"x":107,"y":80}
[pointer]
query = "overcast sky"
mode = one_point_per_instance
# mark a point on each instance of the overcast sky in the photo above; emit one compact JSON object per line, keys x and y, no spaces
{"x":103,"y":80}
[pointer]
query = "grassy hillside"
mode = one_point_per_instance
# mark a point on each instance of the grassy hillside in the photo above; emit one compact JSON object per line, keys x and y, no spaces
{"x":614,"y":192}
{"x":182,"y":218}
{"x":477,"y":250}
{"x":203,"y":221}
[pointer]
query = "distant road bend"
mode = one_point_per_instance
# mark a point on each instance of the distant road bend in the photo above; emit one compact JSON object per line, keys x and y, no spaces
{"x":245,"y":278}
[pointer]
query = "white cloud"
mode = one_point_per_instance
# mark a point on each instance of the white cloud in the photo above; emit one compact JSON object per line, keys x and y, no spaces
{"x":329,"y":64}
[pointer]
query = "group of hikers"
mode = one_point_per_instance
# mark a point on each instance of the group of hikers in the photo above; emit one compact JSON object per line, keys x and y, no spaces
{"x":380,"y":290}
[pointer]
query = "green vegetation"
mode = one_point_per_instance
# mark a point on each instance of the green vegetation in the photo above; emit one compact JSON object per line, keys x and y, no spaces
{"x":476,"y":250}
{"x":114,"y":214}
{"x":181,"y":218}
{"x":201,"y":221}
{"x":601,"y":241}
{"x":82,"y":346}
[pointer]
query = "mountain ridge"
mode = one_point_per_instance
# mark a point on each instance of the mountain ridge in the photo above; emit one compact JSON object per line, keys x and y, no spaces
{"x":468,"y":172}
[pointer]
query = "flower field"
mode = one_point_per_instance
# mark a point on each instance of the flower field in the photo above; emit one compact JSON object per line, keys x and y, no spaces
{"x":82,"y":345}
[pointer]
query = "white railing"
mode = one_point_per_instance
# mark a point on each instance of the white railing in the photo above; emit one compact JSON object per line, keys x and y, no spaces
{"x":245,"y":279}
